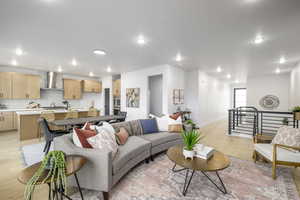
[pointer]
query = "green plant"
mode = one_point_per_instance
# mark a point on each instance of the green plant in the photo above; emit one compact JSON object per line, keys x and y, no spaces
{"x":296,"y":109}
{"x":285,"y":121}
{"x":190,"y":122}
{"x":55,"y":163}
{"x":190,"y":139}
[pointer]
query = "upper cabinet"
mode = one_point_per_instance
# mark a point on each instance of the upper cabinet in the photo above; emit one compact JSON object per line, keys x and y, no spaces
{"x":117,"y":88}
{"x":72,"y":89}
{"x":25,"y":86}
{"x":5,"y":85}
{"x":92,"y":86}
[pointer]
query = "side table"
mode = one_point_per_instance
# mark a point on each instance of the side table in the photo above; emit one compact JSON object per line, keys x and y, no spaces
{"x":73,"y":164}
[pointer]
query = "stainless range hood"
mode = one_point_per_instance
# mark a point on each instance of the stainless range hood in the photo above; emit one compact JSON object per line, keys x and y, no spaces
{"x":51,"y":81}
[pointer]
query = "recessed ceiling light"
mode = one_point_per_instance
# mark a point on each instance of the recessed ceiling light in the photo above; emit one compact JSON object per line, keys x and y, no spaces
{"x":141,"y":40}
{"x":219,"y":69}
{"x":19,"y":52}
{"x":91,"y":74}
{"x":237,"y":81}
{"x":228,"y":76}
{"x":14,"y":62}
{"x":99,"y":52}
{"x":178,"y":57}
{"x":282,"y":60}
{"x":277,"y":71}
{"x":59,"y":68}
{"x":108,"y":69}
{"x":74,"y":62}
{"x":258,"y":39}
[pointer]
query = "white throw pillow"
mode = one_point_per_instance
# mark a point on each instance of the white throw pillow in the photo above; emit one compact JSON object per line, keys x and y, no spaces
{"x":104,"y":140}
{"x":162,"y":123}
{"x":76,"y":140}
{"x":175,"y":122}
{"x":108,"y":127}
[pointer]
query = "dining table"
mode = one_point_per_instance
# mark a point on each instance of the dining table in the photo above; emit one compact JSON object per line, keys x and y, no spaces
{"x":83,"y":120}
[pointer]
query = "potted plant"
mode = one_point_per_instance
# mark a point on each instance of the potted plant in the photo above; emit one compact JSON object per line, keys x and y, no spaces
{"x":189,"y":125}
{"x":190,"y":139}
{"x":54,"y":164}
{"x":296,"y":111}
{"x":285,"y":121}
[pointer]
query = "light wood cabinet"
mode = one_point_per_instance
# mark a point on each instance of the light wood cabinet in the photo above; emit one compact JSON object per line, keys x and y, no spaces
{"x":92,"y":86}
{"x":72,"y":89}
{"x":117,"y":88}
{"x":25,"y":86}
{"x":6,"y":121}
{"x":5,"y":85}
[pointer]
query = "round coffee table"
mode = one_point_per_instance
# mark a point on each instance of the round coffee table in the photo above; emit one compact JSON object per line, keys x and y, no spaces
{"x":73,"y":164}
{"x":216,"y":163}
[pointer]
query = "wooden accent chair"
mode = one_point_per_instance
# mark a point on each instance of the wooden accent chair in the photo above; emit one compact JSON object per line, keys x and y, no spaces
{"x":277,"y":154}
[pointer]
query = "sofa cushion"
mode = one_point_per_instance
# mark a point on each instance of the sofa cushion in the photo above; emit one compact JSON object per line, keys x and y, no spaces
{"x":125,"y":125}
{"x":133,"y":147}
{"x":282,"y":154}
{"x":161,"y":137}
{"x":149,"y":126}
{"x":136,"y":127}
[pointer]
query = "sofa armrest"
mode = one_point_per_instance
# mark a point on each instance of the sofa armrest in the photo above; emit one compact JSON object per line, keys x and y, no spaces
{"x":97,"y":172}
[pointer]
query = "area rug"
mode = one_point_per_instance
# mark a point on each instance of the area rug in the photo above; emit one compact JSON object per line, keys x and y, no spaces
{"x":33,"y":153}
{"x":244,"y":180}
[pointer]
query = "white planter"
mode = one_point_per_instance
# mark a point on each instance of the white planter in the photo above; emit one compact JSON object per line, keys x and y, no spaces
{"x":188,"y":154}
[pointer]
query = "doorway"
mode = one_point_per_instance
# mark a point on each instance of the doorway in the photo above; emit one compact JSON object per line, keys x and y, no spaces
{"x":155,"y":94}
{"x":239,"y":97}
{"x":106,"y":101}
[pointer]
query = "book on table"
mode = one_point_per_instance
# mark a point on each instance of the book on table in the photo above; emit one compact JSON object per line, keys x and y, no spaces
{"x":203,"y":152}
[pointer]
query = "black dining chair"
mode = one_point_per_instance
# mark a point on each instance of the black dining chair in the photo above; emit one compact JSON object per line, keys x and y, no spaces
{"x":124,"y":115}
{"x":48,"y":134}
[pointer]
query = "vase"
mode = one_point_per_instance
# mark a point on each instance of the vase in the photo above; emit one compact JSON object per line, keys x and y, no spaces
{"x":188,"y":154}
{"x":297,"y":115}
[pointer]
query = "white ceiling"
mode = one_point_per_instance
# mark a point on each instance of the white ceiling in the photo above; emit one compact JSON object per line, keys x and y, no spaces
{"x":208,"y":33}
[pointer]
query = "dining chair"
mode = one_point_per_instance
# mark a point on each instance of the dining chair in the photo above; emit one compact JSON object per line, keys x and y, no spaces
{"x":49,"y":135}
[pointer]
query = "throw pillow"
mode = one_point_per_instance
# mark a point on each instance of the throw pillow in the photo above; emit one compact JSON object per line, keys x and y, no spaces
{"x":175,"y":116}
{"x":174,"y":122}
{"x":104,"y":140}
{"x":175,"y":128}
{"x":108,"y":127}
{"x":122,"y":136}
{"x":80,"y":137}
{"x":89,"y":126}
{"x":287,"y":136}
{"x":162,"y":122}
{"x":149,"y":126}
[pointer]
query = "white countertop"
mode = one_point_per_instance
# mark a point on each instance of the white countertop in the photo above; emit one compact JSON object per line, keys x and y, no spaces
{"x":39,"y":111}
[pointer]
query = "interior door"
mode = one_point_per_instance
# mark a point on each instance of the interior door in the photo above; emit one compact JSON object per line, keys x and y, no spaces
{"x":106,"y":101}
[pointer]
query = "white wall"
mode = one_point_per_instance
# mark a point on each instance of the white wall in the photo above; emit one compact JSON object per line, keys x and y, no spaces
{"x":207,"y":97}
{"x":295,"y":87}
{"x":173,"y":77}
{"x":50,"y":96}
{"x":278,"y":85}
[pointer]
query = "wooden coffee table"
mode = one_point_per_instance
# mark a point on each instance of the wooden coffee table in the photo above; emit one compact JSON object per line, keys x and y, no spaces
{"x":73,"y":164}
{"x":216,"y":163}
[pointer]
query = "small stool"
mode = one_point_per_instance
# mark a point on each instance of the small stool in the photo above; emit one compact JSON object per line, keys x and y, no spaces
{"x":73,"y":164}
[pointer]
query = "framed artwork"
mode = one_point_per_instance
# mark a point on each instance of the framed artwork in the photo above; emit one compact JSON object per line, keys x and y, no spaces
{"x":133,"y":97}
{"x":178,"y":96}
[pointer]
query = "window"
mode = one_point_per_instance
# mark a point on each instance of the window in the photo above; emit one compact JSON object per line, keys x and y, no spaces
{"x":239,"y":97}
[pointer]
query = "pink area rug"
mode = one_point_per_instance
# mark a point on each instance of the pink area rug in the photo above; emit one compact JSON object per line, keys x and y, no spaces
{"x":244,"y":180}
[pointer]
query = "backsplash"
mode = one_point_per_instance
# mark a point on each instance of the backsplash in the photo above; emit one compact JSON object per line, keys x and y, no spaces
{"x":54,"y":96}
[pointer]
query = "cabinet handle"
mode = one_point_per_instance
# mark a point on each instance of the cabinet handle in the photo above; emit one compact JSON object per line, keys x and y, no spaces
{"x":74,"y":96}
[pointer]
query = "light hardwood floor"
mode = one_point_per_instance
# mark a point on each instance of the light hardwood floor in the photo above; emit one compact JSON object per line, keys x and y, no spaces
{"x":11,"y":162}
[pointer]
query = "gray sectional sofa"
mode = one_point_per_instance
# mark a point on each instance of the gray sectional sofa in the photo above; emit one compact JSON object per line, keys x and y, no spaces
{"x":102,"y":172}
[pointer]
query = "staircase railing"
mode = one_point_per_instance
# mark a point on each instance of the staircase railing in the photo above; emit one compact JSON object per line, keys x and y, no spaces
{"x":250,"y":121}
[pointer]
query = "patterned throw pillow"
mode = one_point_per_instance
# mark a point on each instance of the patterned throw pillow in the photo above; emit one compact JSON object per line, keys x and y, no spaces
{"x":122,"y":136}
{"x":80,"y":137}
{"x":287,"y":136}
{"x":104,"y":140}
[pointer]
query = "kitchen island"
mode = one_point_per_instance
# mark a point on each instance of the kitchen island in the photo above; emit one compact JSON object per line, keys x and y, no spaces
{"x":28,"y":127}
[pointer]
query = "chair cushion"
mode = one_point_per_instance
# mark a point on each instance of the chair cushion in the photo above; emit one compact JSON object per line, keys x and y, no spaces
{"x":133,"y":147}
{"x":149,"y":126}
{"x":287,"y":136}
{"x":282,"y":154}
{"x":161,"y":137}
